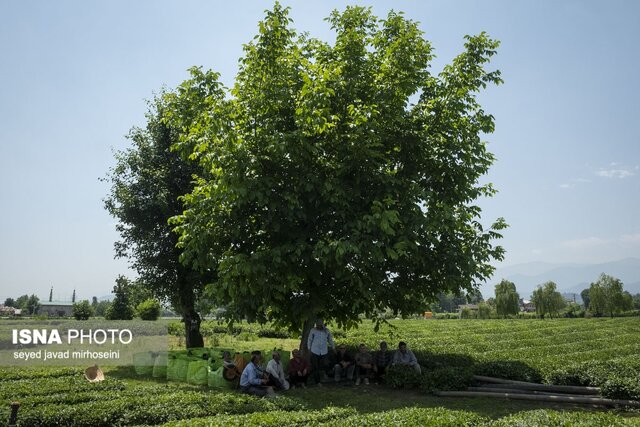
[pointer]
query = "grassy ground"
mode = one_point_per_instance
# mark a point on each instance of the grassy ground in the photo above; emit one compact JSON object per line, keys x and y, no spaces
{"x":378,"y":398}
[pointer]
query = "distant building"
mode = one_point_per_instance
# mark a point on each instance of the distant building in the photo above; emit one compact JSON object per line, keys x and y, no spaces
{"x":7,"y":311}
{"x":10,"y":311}
{"x":527,"y":306}
{"x":56,"y":308}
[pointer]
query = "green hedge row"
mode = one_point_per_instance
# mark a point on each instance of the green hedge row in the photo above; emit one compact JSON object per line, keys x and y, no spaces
{"x":618,"y":379}
{"x":49,"y":386}
{"x":330,"y":415}
{"x":72,"y":397}
{"x":548,"y":418}
{"x":150,"y":408}
{"x":13,"y":374}
{"x":426,"y":417}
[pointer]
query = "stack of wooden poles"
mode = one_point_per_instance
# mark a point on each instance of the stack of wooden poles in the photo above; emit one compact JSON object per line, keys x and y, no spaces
{"x":520,"y":390}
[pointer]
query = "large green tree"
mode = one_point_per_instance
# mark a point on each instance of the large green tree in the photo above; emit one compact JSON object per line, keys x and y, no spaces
{"x":607,"y":296}
{"x":33,"y":305}
{"x":120,"y":308}
{"x":21,"y":302}
{"x":82,"y":310}
{"x":146,"y":185}
{"x":586,"y":299}
{"x":507,"y":298}
{"x":343,"y":177}
{"x":548,"y":300}
{"x":448,"y":302}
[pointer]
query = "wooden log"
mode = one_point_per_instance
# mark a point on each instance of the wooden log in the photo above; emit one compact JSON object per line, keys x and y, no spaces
{"x":591,"y":391}
{"x":519,"y":391}
{"x":539,"y":387}
{"x":542,"y":398}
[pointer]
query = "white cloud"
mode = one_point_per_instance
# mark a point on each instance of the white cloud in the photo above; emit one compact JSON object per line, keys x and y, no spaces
{"x":573,"y":183}
{"x":617,"y":170}
{"x":615,"y":173}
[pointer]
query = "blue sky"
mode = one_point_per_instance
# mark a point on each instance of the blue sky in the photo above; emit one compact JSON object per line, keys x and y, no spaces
{"x":75,"y":76}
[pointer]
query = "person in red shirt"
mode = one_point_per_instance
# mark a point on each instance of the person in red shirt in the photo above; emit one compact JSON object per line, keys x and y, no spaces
{"x":298,"y":370}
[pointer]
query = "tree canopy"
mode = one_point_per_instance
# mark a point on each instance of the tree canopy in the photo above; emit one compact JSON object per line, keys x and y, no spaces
{"x":507,"y":298}
{"x":548,"y":300}
{"x":607,"y":296}
{"x":338,"y":179}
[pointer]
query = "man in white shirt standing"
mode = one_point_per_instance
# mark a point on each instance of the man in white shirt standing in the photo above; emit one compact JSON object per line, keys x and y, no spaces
{"x":318,"y":343}
{"x":275,"y":371}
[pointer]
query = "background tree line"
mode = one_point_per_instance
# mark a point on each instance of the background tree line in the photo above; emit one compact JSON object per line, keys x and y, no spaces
{"x":605,"y":297}
{"x":131,"y":299}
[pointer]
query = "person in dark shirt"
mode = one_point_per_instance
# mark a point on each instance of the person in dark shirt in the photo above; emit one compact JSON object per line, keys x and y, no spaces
{"x":364,"y":365}
{"x":344,"y":365}
{"x":298,"y":370}
{"x":383,"y":359}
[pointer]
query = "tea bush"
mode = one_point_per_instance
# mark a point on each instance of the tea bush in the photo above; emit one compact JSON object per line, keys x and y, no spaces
{"x":328,"y":415}
{"x":549,"y":418}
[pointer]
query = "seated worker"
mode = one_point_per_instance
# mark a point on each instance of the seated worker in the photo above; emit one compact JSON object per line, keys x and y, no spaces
{"x":382,"y":361}
{"x":405,"y":357}
{"x":252,"y":380}
{"x":259,"y":366}
{"x":344,"y":365}
{"x":298,"y":370}
{"x":227,"y":361}
{"x":364,"y":365}
{"x":230,"y":370}
{"x":276,"y":373}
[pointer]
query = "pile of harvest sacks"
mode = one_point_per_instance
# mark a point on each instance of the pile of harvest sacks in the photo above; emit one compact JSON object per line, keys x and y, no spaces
{"x":198,"y":366}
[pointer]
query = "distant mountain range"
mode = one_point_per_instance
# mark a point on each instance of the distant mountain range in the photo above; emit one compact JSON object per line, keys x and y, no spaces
{"x":570,"y":278}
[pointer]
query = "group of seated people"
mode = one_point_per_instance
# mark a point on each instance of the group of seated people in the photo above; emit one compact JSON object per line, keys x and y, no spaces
{"x":363,"y":366}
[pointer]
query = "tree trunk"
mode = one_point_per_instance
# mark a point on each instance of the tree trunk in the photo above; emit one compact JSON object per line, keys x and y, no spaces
{"x":190,"y":317}
{"x":193,"y":336}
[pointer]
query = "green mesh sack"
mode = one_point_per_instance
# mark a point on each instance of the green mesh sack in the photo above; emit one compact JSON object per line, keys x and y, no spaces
{"x":216,"y":380}
{"x":198,"y":372}
{"x":177,"y":368}
{"x":215,"y":363}
{"x":199,"y":352}
{"x":143,"y":363}
{"x":217,"y":352}
{"x":160,"y":366}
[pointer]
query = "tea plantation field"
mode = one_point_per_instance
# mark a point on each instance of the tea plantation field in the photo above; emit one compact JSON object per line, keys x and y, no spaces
{"x":600,"y":352}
